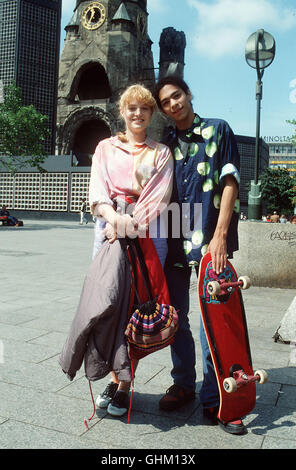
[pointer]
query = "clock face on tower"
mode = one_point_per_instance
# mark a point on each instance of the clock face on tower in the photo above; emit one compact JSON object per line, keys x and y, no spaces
{"x":93,"y":16}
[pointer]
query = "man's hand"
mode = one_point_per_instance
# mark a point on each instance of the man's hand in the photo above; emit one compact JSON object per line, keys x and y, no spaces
{"x":217,"y":248}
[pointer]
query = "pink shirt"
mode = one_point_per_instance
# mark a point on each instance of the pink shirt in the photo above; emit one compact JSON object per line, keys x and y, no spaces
{"x":144,"y":174}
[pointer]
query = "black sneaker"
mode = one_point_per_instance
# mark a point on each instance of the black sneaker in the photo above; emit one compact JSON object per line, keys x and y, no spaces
{"x":119,"y":404}
{"x":233,"y":427}
{"x":176,"y":397}
{"x":105,"y":398}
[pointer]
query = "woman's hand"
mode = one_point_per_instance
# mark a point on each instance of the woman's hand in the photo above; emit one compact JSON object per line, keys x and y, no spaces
{"x":124,"y":226}
{"x":110,"y":233}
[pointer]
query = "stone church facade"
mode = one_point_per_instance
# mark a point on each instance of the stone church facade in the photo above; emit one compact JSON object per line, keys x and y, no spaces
{"x":107,"y":48}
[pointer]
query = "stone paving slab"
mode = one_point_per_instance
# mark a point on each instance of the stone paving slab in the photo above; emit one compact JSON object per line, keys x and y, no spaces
{"x":28,"y":436}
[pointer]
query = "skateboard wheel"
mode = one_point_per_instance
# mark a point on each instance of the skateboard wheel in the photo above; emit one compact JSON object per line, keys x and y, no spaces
{"x":263,"y":376}
{"x":229,"y":385}
{"x":213,"y":287}
{"x":246,"y":282}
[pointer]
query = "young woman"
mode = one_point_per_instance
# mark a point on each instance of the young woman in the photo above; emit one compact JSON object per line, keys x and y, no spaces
{"x":130,"y":166}
{"x":130,"y":186}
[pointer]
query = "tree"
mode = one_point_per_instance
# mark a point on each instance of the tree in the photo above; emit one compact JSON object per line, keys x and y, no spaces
{"x":293,"y":122}
{"x":278,"y":190}
{"x":23,"y":131}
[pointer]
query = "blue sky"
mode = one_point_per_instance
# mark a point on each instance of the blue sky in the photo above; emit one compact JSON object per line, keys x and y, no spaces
{"x":222,"y":83}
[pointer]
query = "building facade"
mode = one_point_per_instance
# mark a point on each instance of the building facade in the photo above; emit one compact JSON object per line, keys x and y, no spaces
{"x":29,"y":54}
{"x":282,"y":153}
{"x":246,"y":147}
{"x":57,"y":191}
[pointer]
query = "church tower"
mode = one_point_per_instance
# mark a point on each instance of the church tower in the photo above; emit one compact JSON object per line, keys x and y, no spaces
{"x":172,"y":45}
{"x":106,"y":48}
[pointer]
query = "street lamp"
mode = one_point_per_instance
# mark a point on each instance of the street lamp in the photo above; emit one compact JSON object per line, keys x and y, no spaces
{"x":259,"y":54}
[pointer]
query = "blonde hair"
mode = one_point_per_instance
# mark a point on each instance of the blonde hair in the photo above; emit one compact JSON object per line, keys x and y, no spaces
{"x":141,"y":94}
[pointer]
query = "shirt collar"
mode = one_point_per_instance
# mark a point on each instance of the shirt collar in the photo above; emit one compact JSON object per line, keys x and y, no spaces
{"x":117,"y":142}
{"x":194,"y":129}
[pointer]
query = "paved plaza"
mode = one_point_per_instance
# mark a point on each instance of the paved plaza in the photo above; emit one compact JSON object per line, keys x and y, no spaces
{"x":43,"y":265}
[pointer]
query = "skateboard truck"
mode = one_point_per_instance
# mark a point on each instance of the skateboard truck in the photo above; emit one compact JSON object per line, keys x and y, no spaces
{"x":222,"y":287}
{"x":240,"y":379}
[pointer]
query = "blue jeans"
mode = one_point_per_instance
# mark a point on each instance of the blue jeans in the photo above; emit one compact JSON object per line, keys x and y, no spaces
{"x":183,"y":348}
{"x":161,"y":247}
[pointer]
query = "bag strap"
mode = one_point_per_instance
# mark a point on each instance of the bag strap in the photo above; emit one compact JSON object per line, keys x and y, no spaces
{"x":138,"y":253}
{"x":133,"y":265}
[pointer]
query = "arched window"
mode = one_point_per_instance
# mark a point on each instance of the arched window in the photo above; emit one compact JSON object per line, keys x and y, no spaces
{"x":91,"y":83}
{"x":87,"y":137}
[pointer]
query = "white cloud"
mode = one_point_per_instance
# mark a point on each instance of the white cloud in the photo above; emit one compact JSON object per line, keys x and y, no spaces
{"x":223,"y":26}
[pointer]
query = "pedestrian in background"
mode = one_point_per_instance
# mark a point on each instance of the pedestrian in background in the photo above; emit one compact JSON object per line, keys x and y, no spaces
{"x":83,"y":212}
{"x":275,"y":218}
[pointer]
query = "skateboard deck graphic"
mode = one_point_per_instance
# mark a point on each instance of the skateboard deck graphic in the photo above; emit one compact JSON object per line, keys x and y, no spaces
{"x":224,"y":321}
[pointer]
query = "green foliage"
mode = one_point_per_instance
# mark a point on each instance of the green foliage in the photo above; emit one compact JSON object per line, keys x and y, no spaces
{"x":293,"y":123}
{"x":278,"y":190}
{"x":22,"y":133}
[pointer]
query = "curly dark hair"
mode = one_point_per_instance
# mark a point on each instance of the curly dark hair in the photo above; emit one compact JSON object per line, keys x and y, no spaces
{"x":169,"y":80}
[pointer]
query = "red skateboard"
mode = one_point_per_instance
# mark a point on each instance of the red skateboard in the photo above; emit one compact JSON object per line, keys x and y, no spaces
{"x":224,"y":321}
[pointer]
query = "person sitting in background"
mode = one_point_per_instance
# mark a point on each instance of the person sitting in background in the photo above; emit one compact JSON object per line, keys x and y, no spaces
{"x":5,"y":213}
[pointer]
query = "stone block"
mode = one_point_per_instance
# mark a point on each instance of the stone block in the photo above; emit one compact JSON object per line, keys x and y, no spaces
{"x":267,"y":254}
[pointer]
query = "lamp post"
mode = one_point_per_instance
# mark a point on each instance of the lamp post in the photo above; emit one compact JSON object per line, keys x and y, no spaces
{"x":259,"y":54}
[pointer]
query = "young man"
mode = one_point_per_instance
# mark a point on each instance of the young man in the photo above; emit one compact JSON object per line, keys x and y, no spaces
{"x":207,"y":173}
